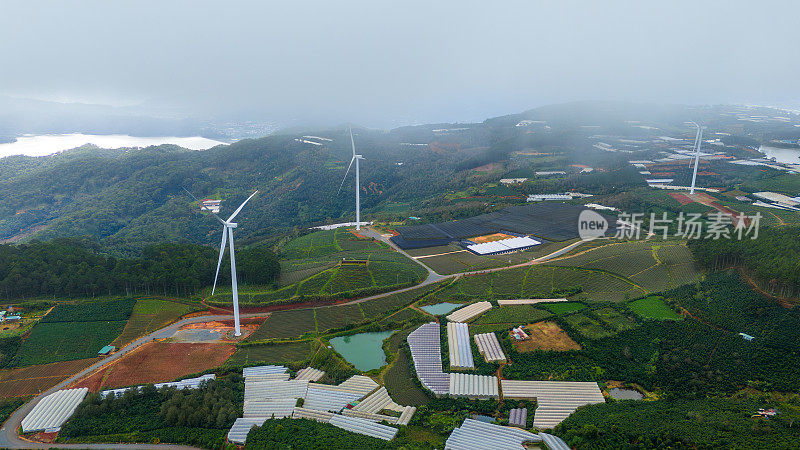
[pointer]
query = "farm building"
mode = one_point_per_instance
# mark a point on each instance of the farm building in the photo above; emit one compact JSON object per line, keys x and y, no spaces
{"x":106,"y":350}
{"x":489,"y":347}
{"x":363,"y":426}
{"x":323,"y":397}
{"x":473,"y":386}
{"x":53,"y":410}
{"x":309,"y":374}
{"x":188,"y":383}
{"x":277,"y":408}
{"x":459,"y":346}
{"x":474,"y":434}
{"x":519,"y":334}
{"x":426,"y":351}
{"x":240,"y":429}
{"x":548,"y":197}
{"x":503,"y":246}
{"x":556,"y":399}
{"x":269,"y":390}
{"x":469,"y":312}
{"x":262,"y":370}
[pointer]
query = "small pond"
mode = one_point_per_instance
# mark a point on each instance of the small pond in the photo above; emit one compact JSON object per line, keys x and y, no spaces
{"x":440,"y":308}
{"x":363,"y":350}
{"x":625,"y":394}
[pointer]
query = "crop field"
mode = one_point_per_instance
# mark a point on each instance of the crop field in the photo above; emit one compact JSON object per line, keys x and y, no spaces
{"x":538,"y":281}
{"x":480,"y":328}
{"x":399,"y":381}
{"x":63,"y":341}
{"x":518,"y":314}
{"x":151,"y":314}
{"x":273,"y":354}
{"x":560,"y":308}
{"x":111,"y":311}
{"x":379,"y":307}
{"x":546,"y":336}
{"x":157,"y":362}
{"x":31,"y":380}
{"x":337,"y":316}
{"x":402,"y":316}
{"x":587,"y":326}
{"x":654,"y":266}
{"x":465,"y":261}
{"x":614,"y":319}
{"x":285,"y":324}
{"x":653,"y":307}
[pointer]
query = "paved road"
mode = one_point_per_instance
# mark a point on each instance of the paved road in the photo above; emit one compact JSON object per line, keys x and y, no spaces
{"x":8,"y":432}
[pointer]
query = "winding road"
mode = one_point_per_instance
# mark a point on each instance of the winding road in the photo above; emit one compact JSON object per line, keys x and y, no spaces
{"x":8,"y":432}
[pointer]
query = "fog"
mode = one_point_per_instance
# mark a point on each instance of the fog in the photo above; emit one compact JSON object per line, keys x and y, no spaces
{"x":392,"y":63}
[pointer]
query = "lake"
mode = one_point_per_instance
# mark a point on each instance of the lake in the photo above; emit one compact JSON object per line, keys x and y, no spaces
{"x":48,"y":144}
{"x":440,"y":308}
{"x":363,"y":350}
{"x":781,"y":155}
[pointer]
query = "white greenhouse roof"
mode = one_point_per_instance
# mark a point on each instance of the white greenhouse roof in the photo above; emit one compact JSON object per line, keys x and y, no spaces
{"x":310,"y":374}
{"x":242,"y":426}
{"x":504,"y":245}
{"x":372,"y":417}
{"x":529,"y":301}
{"x":53,"y":410}
{"x":473,"y":386}
{"x":426,"y":351}
{"x":377,"y":401}
{"x":278,"y":408}
{"x":468,"y":312}
{"x":489,"y":347}
{"x":459,"y":345}
{"x":321,"y":398}
{"x":359,"y":384}
{"x":189,"y":383}
{"x":268,"y":377}
{"x":263,"y":370}
{"x":474,"y":434}
{"x":265,"y":390}
{"x":363,"y":426}
{"x":556,"y":400}
{"x":311,"y":414}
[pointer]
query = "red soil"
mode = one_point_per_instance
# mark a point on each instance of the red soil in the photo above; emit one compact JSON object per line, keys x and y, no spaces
{"x":157,"y":362}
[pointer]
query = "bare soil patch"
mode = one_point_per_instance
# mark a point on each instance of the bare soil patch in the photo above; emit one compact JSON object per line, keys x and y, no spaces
{"x":546,"y":336}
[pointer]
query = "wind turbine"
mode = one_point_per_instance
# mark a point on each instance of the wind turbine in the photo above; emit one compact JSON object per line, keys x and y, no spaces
{"x":227,"y":233}
{"x":355,"y":158}
{"x":698,"y":139}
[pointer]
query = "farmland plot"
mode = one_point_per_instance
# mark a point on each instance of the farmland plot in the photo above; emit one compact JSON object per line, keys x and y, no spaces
{"x":63,"y":341}
{"x":586,"y":326}
{"x":285,"y":324}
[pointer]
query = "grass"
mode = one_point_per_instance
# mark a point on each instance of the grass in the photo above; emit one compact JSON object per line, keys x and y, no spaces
{"x":614,"y":319}
{"x":338,"y":316}
{"x":561,"y":308}
{"x":151,"y":314}
{"x":518,"y":314}
{"x":587,"y":326}
{"x":399,"y":381}
{"x":653,"y":307}
{"x":65,"y":341}
{"x":273,"y":354}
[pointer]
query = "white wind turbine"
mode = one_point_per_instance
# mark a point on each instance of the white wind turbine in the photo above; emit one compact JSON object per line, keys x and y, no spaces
{"x":227,"y":232}
{"x":698,"y":140}
{"x":355,"y":158}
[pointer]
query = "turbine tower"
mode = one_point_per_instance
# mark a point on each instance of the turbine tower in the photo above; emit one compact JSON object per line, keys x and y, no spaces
{"x":227,"y":233}
{"x":698,"y":139}
{"x":355,"y":158}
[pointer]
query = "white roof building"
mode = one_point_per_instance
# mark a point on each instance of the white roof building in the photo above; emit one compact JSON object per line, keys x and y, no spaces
{"x":503,"y":246}
{"x":556,"y":399}
{"x":459,"y":346}
{"x":473,"y":386}
{"x":474,"y":434}
{"x":469,"y":312}
{"x":489,"y":347}
{"x":53,"y":410}
{"x":426,"y":351}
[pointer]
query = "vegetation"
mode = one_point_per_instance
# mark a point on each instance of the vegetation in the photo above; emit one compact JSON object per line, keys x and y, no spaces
{"x":653,"y":307}
{"x":517,"y":314}
{"x":76,"y":268}
{"x":195,"y":417}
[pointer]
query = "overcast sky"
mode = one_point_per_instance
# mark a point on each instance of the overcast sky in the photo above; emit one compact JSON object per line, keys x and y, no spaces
{"x":385,"y":63}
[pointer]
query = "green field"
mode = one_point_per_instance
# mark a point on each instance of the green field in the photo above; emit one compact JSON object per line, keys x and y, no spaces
{"x":587,"y":326}
{"x":614,"y":319}
{"x":90,"y":311}
{"x":653,"y":307}
{"x":338,"y":316}
{"x":273,"y":354}
{"x":538,"y":281}
{"x":285,"y":324}
{"x":151,"y":314}
{"x":399,"y":381}
{"x":517,"y":314}
{"x":652,"y":265}
{"x":465,"y":261}
{"x":560,"y":308}
{"x":64,"y":341}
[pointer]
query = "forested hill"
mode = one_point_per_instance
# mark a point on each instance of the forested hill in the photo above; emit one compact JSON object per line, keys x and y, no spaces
{"x":130,"y":199}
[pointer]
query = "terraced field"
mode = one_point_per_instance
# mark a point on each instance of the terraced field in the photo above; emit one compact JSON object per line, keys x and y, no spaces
{"x":285,"y":324}
{"x":151,"y":314}
{"x":519,"y":314}
{"x":273,"y":354}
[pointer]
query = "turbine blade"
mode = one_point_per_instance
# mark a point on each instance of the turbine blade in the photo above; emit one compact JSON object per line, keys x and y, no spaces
{"x":203,"y":207}
{"x":219,"y":261}
{"x":345,"y":175}
{"x":241,"y":206}
{"x":352,"y":143}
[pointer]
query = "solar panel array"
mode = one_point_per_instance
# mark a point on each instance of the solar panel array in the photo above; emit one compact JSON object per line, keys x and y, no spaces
{"x":474,"y":434}
{"x":426,"y":351}
{"x":489,"y":347}
{"x":459,"y":346}
{"x":53,"y":410}
{"x":469,"y":312}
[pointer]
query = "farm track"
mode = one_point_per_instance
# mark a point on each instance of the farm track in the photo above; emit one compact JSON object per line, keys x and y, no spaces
{"x":8,"y":432}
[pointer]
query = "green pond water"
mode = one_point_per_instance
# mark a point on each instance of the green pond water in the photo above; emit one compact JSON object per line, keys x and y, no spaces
{"x":363,"y":350}
{"x":440,"y":308}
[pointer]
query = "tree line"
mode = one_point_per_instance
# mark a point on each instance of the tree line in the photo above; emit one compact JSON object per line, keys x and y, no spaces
{"x":76,"y":267}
